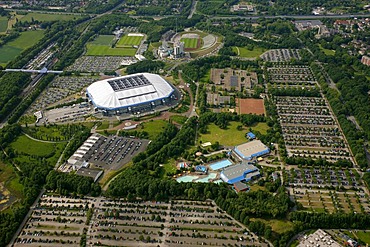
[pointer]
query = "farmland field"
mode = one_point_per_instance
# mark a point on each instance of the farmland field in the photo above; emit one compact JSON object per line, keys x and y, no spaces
{"x":128,"y":41}
{"x":12,"y":49}
{"x":190,"y":42}
{"x":3,"y":24}
{"x":49,"y":17}
{"x":104,"y":50}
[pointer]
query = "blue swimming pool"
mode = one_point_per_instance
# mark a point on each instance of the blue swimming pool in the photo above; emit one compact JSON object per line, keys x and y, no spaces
{"x":186,"y":179}
{"x":220,"y":164}
{"x":206,"y":179}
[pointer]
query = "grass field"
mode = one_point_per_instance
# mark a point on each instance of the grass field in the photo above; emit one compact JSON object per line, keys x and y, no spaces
{"x":23,"y":144}
{"x":244,"y":52}
{"x":49,"y":17}
{"x":279,"y":226}
{"x":3,"y":24}
{"x":178,"y":119}
{"x":230,"y":136}
{"x":103,"y":50}
{"x":363,"y":236}
{"x":103,"y":40}
{"x":10,"y":180}
{"x":190,"y":42}
{"x":128,"y":41}
{"x":14,"y":48}
{"x":154,"y":128}
{"x":327,"y":51}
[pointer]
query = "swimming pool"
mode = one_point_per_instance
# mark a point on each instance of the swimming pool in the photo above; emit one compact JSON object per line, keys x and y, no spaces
{"x":221,"y":164}
{"x":206,"y":179}
{"x":186,"y":179}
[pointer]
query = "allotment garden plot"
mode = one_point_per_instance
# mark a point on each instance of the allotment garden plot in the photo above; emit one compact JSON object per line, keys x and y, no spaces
{"x":291,"y":76}
{"x":281,"y":55}
{"x":99,"y":63}
{"x":178,"y":223}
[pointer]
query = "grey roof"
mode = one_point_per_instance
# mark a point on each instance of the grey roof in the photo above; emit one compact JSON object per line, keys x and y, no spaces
{"x":240,"y":186}
{"x":238,"y":170}
{"x":252,"y":147}
{"x":234,"y":81}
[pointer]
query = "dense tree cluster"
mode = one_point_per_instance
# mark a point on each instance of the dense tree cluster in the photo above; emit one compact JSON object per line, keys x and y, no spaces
{"x":65,"y":183}
{"x":145,"y":66}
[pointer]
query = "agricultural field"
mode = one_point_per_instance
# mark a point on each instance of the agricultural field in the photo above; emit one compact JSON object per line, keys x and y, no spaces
{"x":190,"y":43}
{"x":244,"y":52}
{"x":230,"y":136}
{"x":14,"y":48}
{"x":103,"y":50}
{"x":129,"y":41}
{"x":3,"y":24}
{"x":49,"y":17}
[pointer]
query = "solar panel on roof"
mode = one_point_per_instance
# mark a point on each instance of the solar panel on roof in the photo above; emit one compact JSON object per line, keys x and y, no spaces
{"x":129,"y":82}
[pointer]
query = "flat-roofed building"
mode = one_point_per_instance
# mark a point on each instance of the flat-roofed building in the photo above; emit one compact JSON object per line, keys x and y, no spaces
{"x":238,"y":173}
{"x":250,"y":150}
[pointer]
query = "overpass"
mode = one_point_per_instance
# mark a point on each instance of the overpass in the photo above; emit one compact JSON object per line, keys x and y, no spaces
{"x":42,"y":71}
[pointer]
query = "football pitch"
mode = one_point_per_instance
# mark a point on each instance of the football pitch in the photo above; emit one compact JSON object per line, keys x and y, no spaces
{"x":190,"y":42}
{"x":104,"y":50}
{"x":128,"y":41}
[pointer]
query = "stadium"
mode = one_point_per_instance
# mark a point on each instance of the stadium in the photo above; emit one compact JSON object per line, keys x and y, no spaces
{"x":130,"y":94}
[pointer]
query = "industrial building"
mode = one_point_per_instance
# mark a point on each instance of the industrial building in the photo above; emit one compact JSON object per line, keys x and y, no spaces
{"x":130,"y":94}
{"x":250,"y":150}
{"x":238,"y":173}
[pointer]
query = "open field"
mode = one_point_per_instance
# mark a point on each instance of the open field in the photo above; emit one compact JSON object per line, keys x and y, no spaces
{"x":25,"y":145}
{"x":230,"y":136}
{"x":129,"y":41}
{"x":363,"y":236}
{"x":103,"y":50}
{"x":49,"y":17}
{"x":154,"y":128}
{"x":244,"y":52}
{"x":178,"y":119}
{"x":251,"y":106}
{"x":14,"y":48}
{"x":279,"y":226}
{"x":103,"y":40}
{"x":3,"y":24}
{"x":327,"y":51}
{"x":190,"y":42}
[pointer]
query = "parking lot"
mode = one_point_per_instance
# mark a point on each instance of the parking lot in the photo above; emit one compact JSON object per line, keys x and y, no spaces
{"x":281,"y":55}
{"x":113,"y":152}
{"x":65,"y":114}
{"x":60,"y":88}
{"x":97,"y":64}
{"x":60,"y":220}
{"x":332,"y":201}
{"x":55,"y":221}
{"x":179,"y":223}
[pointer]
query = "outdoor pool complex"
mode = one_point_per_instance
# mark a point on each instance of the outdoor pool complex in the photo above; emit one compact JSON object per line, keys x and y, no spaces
{"x":189,"y":178}
{"x":221,"y":164}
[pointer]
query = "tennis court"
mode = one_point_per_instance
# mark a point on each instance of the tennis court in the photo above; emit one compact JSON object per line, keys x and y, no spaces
{"x":221,"y":164}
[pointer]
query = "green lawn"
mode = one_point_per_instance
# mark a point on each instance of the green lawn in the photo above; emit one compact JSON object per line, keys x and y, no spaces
{"x":327,"y":51}
{"x":244,"y":52}
{"x":104,"y":125}
{"x":49,"y":17}
{"x":10,"y":180}
{"x":128,"y":41}
{"x":103,"y":40}
{"x":363,"y":236}
{"x":3,"y":24}
{"x":103,"y":50}
{"x":14,"y":48}
{"x":23,"y":144}
{"x":154,"y":128}
{"x":178,"y":119}
{"x":279,"y":226}
{"x":190,"y":42}
{"x":230,"y":136}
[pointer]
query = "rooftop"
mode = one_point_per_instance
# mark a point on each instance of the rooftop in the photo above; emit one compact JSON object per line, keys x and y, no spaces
{"x":318,"y":238}
{"x":239,"y":186}
{"x":238,"y":170}
{"x":249,"y":148}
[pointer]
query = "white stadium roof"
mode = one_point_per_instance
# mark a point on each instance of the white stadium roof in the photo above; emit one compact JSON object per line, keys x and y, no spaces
{"x":125,"y":91}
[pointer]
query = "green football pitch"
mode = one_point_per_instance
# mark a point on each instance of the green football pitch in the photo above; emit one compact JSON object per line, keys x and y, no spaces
{"x":126,"y":41}
{"x":190,"y":42}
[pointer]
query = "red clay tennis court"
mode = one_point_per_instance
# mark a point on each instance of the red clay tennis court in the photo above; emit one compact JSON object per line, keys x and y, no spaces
{"x":251,"y":106}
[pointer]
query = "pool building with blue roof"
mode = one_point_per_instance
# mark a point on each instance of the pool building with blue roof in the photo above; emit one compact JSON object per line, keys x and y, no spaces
{"x":250,"y":150}
{"x":239,"y":173}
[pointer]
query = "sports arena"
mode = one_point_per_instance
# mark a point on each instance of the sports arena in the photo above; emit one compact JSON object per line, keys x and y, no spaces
{"x":130,"y":94}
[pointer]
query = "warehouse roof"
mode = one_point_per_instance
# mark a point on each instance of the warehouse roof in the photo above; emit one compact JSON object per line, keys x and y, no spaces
{"x":238,"y":170}
{"x":128,"y":90}
{"x":249,"y":148}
